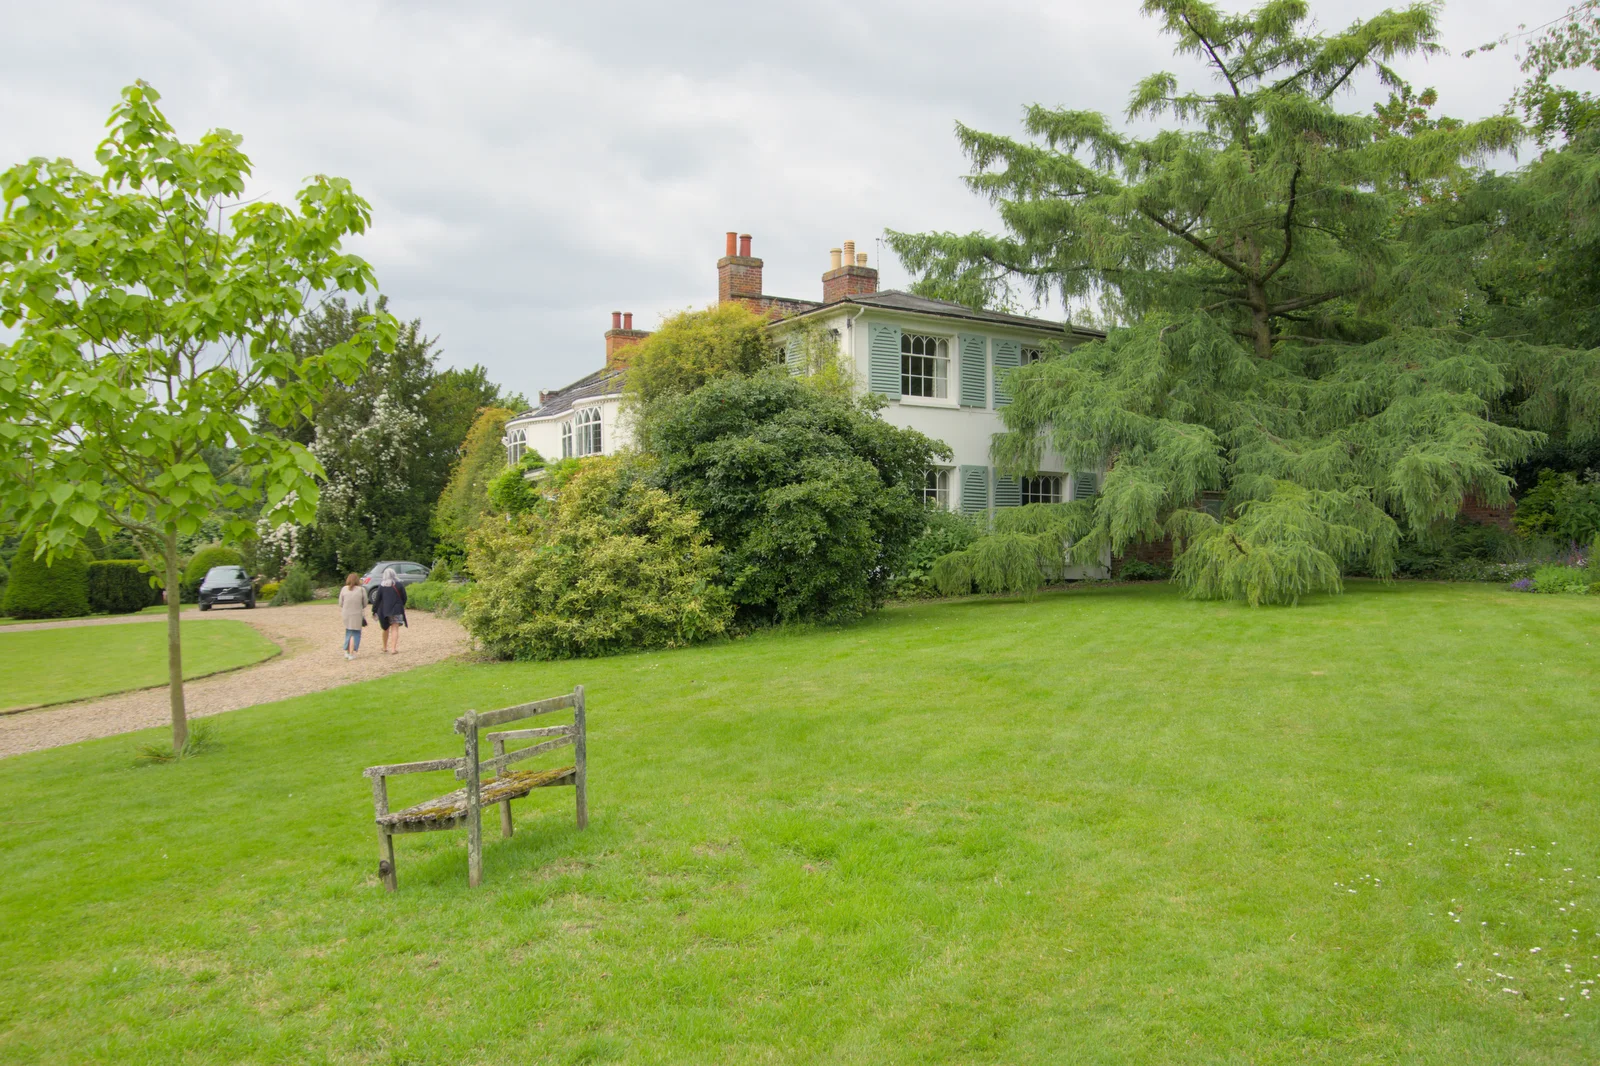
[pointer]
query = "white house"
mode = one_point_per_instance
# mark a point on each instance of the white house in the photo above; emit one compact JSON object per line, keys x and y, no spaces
{"x":938,"y":363}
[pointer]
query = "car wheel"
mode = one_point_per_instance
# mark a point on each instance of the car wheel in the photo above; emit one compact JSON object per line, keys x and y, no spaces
{"x":205,"y":607}
{"x":251,"y":604}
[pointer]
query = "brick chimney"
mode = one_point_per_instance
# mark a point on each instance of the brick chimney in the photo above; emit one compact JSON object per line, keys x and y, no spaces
{"x":848,"y":275}
{"x":620,"y":337}
{"x":739,"y":273}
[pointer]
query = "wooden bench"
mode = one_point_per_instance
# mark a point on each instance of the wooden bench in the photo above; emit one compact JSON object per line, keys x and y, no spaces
{"x":465,"y":804}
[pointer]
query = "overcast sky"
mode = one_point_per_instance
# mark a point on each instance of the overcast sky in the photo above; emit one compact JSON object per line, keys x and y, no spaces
{"x":534,"y":166}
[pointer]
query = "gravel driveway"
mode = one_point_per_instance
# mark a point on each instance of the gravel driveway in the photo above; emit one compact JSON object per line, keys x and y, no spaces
{"x":309,"y":635}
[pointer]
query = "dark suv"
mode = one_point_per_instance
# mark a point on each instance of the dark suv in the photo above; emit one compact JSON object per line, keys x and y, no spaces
{"x":227,"y":584}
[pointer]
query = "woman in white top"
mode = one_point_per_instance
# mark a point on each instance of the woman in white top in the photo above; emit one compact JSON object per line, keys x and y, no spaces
{"x":353,"y":606}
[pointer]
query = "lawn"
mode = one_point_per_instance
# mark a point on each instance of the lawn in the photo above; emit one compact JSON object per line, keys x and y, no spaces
{"x":1107,"y":826}
{"x":53,"y":665}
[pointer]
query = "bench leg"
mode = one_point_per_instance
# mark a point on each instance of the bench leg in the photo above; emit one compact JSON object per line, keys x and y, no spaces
{"x":505,"y":819}
{"x":386,"y":859}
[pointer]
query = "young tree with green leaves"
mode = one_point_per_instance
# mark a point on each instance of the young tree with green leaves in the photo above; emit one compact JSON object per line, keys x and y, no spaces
{"x":154,"y":309}
{"x":1295,"y":277}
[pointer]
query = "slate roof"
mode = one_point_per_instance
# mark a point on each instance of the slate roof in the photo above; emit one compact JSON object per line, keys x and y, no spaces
{"x":898,"y":300}
{"x":606,"y":382}
{"x":603,"y":382}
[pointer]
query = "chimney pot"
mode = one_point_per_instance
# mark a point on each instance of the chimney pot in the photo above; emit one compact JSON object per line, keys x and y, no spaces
{"x":733,"y":243}
{"x":833,"y":258}
{"x":616,"y":320}
{"x":744,"y":245}
{"x":861,"y":259}
{"x":849,"y":251}
{"x":627,"y":320}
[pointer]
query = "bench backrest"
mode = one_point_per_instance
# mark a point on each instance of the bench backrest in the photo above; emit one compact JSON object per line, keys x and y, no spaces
{"x":472,"y":723}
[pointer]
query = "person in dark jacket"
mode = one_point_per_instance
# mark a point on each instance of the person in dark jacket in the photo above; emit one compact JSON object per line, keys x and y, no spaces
{"x":389,"y":604}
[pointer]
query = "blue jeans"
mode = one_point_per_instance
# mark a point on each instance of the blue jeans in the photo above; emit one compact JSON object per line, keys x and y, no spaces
{"x":352,"y":640}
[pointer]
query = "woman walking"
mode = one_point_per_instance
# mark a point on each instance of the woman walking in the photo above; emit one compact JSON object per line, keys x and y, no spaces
{"x":389,"y":604}
{"x":353,"y":606}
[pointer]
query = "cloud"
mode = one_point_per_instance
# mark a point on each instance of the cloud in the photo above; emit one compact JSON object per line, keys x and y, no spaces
{"x":533,"y":167}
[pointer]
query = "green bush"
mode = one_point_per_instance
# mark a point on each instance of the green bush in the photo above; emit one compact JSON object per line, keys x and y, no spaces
{"x":295,"y":587}
{"x":202,"y":561}
{"x":1562,"y":579}
{"x":1560,"y":505}
{"x":35,"y":590}
{"x":611,"y":566}
{"x":445,"y":598}
{"x":120,"y":586}
{"x":268,"y":591}
{"x":1139,"y":570}
{"x":813,"y":499}
{"x":5,"y":575}
{"x":945,"y":532}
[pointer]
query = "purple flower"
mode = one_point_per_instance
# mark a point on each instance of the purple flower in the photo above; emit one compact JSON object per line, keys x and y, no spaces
{"x":1524,"y":585}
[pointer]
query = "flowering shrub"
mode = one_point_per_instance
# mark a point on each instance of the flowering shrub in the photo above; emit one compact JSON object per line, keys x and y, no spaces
{"x":1522,"y":585}
{"x":1571,"y":580}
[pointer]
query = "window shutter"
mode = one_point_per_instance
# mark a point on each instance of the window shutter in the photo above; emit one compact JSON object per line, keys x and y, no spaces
{"x":883,"y":360}
{"x":1007,"y":354}
{"x":1007,"y":492}
{"x":1085,"y":485}
{"x":794,"y":358}
{"x":974,"y":370}
{"x":974,"y":489}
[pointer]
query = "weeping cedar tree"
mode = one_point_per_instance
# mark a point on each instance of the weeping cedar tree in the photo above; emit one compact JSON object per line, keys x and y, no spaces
{"x":1296,"y":277}
{"x":153,"y":310}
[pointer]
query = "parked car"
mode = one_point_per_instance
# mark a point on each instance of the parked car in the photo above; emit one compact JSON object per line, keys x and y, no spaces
{"x":405,"y":573}
{"x":227,"y":584}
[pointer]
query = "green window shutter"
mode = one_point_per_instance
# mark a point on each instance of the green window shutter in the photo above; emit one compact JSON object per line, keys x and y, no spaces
{"x":794,"y":357}
{"x":883,"y":360}
{"x":1007,"y":491}
{"x":1085,"y":485}
{"x":974,"y":370}
{"x":1007,"y":354}
{"x":974,"y":489}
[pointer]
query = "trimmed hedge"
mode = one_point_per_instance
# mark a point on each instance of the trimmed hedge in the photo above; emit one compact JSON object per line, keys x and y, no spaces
{"x":119,"y":586}
{"x":39,"y":591}
{"x":204,"y":560}
{"x":444,"y":598}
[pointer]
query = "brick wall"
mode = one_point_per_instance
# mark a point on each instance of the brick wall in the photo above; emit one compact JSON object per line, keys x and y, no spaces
{"x":739,"y":278}
{"x":1475,"y":510}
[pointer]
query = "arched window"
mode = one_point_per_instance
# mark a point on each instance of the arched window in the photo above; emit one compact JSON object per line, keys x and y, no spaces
{"x":516,"y":446}
{"x":588,"y":429}
{"x":566,"y":439}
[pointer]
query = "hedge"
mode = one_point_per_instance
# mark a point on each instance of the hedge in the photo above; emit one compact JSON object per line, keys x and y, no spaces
{"x":204,"y":560}
{"x":39,"y":591}
{"x":118,"y":586}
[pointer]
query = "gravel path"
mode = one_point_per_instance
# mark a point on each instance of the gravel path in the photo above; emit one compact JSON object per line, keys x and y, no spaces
{"x":309,"y":635}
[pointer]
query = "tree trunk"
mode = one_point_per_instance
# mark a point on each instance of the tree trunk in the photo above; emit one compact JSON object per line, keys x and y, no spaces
{"x":1260,"y":321}
{"x":180,"y":721}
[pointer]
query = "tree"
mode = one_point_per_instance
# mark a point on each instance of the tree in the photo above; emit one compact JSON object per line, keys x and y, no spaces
{"x":1295,"y":277}
{"x":1571,"y":42}
{"x":387,"y":441}
{"x":693,"y":347}
{"x":153,"y":310}
{"x":465,"y":499}
{"x":812,"y":498}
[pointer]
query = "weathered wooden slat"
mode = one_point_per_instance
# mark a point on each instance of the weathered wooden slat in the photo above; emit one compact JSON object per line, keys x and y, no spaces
{"x":394,"y":769}
{"x":580,"y":769}
{"x":500,"y":762}
{"x":474,"y":799}
{"x":524,"y":734}
{"x":450,"y":810}
{"x":521,"y":710}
